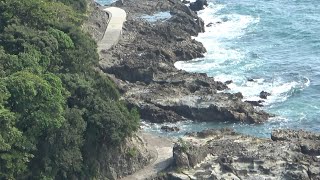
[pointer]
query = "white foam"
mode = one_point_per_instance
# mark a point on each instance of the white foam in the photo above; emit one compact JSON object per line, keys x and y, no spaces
{"x":280,"y":90}
{"x":231,"y":26}
{"x":221,"y":55}
{"x":224,"y":26}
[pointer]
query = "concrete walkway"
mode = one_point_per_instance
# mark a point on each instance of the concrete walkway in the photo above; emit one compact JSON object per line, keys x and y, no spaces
{"x":113,"y":32}
{"x":163,"y":151}
{"x":160,"y":147}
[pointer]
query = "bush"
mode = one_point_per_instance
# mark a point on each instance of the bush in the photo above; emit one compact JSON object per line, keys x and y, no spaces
{"x":57,"y":114}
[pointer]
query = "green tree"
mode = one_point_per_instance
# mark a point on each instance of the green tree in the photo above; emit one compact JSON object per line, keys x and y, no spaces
{"x":57,"y":112}
{"x":14,"y":147}
{"x":38,"y":101}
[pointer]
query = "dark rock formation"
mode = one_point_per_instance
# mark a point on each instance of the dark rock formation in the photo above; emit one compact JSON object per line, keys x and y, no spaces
{"x":124,"y":159}
{"x":198,"y":5}
{"x":170,"y":129}
{"x":309,"y":142}
{"x":264,"y":94}
{"x":228,"y":82}
{"x":256,"y":103}
{"x":209,"y":25}
{"x":142,"y":65}
{"x":225,"y":154}
{"x":96,"y":22}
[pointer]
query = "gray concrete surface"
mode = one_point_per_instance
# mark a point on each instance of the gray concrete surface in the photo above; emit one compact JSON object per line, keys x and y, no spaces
{"x":114,"y":29}
{"x":162,"y":148}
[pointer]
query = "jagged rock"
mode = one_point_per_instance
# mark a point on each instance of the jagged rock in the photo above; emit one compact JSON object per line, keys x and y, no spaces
{"x":256,"y":103}
{"x":142,"y":65}
{"x":238,"y":95}
{"x":170,"y":129}
{"x":180,"y":157}
{"x":209,"y":24}
{"x":198,"y":5}
{"x":264,"y":94}
{"x":314,"y":172}
{"x":228,"y":82}
{"x":229,"y":155}
{"x":96,"y":22}
{"x":308,"y":142}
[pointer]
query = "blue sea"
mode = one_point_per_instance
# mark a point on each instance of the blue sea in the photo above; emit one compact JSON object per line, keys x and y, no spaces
{"x":105,"y":2}
{"x":275,"y":43}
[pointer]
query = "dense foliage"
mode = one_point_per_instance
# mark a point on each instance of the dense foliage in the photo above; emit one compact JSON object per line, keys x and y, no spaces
{"x":56,"y":111}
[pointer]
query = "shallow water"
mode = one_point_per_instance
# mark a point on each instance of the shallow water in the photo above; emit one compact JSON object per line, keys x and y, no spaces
{"x":160,"y":16}
{"x":275,"y":43}
{"x":105,"y":2}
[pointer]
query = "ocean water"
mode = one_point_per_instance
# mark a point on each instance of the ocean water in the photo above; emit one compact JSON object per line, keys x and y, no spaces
{"x":274,"y":42}
{"x":105,"y":2}
{"x":160,"y":16}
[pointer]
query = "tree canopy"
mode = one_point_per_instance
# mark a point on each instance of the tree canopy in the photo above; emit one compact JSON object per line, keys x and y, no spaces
{"x":56,"y":110}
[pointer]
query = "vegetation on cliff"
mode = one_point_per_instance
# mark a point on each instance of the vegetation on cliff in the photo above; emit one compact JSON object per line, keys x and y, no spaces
{"x":56,"y":112}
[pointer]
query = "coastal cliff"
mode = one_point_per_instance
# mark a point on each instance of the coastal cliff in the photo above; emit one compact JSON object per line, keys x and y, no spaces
{"x":142,"y":65}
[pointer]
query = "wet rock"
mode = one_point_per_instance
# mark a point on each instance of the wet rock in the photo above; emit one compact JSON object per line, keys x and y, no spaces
{"x":238,"y":95}
{"x":142,"y":65}
{"x":256,"y":103}
{"x":250,"y":80}
{"x":209,"y":25}
{"x":170,"y":129}
{"x":198,"y":5}
{"x":264,"y":94}
{"x":228,"y":82}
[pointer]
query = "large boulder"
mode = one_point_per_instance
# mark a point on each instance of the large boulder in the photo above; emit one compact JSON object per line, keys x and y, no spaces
{"x":198,"y":5}
{"x":264,"y":94}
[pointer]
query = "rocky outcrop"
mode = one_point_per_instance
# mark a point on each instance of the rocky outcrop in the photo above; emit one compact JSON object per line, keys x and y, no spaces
{"x":308,"y":142}
{"x":96,"y":22}
{"x":225,"y":154}
{"x":125,"y":159}
{"x":198,"y":5}
{"x":142,"y":65}
{"x":170,"y":129}
{"x":264,"y":95}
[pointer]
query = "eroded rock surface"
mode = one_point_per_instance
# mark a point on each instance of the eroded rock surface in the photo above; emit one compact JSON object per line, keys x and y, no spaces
{"x":225,"y":154}
{"x":142,"y":65}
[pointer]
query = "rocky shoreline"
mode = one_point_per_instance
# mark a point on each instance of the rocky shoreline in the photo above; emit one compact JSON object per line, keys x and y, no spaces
{"x":225,"y":154}
{"x":142,"y":66}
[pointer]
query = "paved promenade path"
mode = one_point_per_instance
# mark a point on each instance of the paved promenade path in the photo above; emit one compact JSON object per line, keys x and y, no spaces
{"x":162,"y":148}
{"x":113,"y":32}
